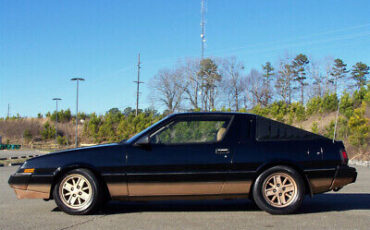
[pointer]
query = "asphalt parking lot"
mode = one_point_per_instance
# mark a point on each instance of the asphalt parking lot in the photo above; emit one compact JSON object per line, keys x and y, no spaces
{"x":347,"y":209}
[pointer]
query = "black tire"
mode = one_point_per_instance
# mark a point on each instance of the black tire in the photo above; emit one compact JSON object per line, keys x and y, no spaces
{"x":90,"y":186}
{"x":268,"y":190}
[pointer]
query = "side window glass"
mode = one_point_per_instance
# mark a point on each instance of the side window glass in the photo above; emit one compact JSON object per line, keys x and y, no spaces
{"x":198,"y":131}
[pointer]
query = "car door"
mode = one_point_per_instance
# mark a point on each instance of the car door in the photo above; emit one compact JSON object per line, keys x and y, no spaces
{"x":247,"y":156}
{"x":186,"y":156}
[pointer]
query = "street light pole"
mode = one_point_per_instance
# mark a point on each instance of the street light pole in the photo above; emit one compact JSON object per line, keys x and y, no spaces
{"x":56,"y":116}
{"x":77,"y":79}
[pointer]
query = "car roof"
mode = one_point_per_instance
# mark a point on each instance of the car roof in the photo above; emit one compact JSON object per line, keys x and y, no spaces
{"x":209,"y":113}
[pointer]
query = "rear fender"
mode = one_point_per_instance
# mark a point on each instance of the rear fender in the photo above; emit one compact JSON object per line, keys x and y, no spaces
{"x":288,"y":163}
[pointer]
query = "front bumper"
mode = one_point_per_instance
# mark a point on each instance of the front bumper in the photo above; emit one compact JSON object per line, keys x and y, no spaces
{"x":24,"y":187}
{"x":344,"y":175}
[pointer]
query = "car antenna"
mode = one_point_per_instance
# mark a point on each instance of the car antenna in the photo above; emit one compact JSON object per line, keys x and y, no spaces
{"x":336,"y":123}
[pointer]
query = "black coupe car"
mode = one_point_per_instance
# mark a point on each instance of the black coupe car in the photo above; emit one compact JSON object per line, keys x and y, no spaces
{"x":193,"y":156}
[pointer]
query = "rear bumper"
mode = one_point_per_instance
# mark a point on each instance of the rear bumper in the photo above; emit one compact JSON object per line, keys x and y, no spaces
{"x":20,"y":182}
{"x":344,"y":175}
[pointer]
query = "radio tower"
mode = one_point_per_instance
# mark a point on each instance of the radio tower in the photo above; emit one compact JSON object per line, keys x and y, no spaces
{"x":202,"y":25}
{"x":138,"y":82}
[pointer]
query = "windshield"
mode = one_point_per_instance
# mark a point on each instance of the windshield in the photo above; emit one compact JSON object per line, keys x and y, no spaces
{"x":142,"y":132}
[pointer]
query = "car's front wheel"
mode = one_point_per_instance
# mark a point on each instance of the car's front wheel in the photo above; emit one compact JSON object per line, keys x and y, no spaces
{"x":77,"y":192}
{"x":279,"y":190}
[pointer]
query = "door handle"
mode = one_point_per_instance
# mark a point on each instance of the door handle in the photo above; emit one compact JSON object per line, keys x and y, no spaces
{"x":222,"y":151}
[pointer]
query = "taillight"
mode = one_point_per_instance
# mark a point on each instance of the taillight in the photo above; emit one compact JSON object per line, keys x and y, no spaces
{"x":344,"y":157}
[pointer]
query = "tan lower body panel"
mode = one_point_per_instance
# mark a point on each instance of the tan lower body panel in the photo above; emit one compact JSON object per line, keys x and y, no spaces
{"x":340,"y":182}
{"x":187,"y":197}
{"x":39,"y":188}
{"x":179,"y":188}
{"x":117,"y":189}
{"x":32,"y":191}
{"x":176,"y":188}
{"x":319,"y":185}
{"x":236,"y":187}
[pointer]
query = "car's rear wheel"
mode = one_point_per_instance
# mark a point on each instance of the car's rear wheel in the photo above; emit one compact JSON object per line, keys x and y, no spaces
{"x":77,"y":192}
{"x":279,"y":190}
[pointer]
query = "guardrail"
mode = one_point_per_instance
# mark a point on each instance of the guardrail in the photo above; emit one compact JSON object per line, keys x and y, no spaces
{"x":7,"y":146}
{"x":24,"y":157}
{"x":44,"y":146}
{"x":19,"y":157}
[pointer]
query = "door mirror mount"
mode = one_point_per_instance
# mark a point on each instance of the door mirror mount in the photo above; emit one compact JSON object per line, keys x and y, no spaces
{"x":143,"y":141}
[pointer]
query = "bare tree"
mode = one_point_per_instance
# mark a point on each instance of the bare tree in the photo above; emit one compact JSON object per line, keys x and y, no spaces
{"x":284,"y":82}
{"x":327,"y":77}
{"x":319,"y":81}
{"x":167,"y":87}
{"x":232,"y":72}
{"x":193,"y":82}
{"x":254,"y":87}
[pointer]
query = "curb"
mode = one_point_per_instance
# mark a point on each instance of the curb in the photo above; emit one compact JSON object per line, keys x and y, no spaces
{"x":359,"y":163}
{"x":25,"y":157}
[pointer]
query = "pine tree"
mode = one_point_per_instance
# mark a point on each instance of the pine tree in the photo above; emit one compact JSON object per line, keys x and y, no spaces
{"x":268,"y":72}
{"x":338,"y":72}
{"x":359,"y":74}
{"x":299,"y":72}
{"x":210,"y":76}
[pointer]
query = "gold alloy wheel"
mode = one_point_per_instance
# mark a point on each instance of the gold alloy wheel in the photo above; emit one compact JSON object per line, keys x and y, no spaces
{"x":75,"y":191}
{"x":279,"y":189}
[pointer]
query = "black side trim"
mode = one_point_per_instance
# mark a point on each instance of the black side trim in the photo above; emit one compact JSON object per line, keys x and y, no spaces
{"x":179,"y":176}
{"x":41,"y":179}
{"x":19,"y":178}
{"x":347,"y":172}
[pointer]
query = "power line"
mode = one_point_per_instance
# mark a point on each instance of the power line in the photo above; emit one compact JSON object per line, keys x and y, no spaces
{"x":138,"y":82}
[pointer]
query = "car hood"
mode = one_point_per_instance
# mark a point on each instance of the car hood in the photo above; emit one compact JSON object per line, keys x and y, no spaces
{"x":75,"y":150}
{"x":92,"y":155}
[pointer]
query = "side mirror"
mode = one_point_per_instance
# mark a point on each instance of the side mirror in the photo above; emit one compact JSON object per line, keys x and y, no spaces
{"x":143,"y":141}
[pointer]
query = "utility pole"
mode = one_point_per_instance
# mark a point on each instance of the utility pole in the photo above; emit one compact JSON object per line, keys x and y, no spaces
{"x":8,"y":110}
{"x":202,"y":25}
{"x":77,"y":79}
{"x":56,"y":116}
{"x":138,"y":82}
